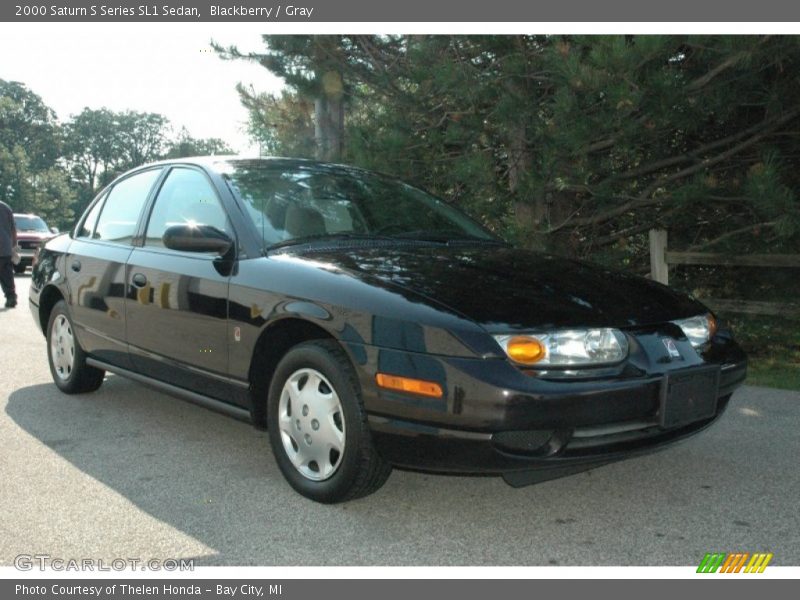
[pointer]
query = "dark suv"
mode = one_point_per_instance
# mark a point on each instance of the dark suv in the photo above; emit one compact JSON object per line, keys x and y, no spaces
{"x":32,"y":232}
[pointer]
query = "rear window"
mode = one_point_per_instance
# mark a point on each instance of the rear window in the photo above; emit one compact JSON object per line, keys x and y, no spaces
{"x":123,"y":206}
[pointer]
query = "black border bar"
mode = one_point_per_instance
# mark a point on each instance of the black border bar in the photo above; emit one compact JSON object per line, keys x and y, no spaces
{"x":435,"y":11}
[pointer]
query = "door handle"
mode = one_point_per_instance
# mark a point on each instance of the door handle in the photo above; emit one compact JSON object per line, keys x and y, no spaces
{"x":138,"y":280}
{"x":76,"y":265}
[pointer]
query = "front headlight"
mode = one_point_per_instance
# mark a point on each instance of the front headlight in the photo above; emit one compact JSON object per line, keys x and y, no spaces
{"x":569,"y":347}
{"x":698,"y":330}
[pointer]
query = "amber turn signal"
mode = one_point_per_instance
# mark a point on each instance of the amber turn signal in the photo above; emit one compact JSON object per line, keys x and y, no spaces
{"x":411,"y":386}
{"x":525,"y":350}
{"x":712,"y":325}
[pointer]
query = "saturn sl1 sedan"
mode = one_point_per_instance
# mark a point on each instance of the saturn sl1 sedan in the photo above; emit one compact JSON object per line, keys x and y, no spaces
{"x":368,"y":325}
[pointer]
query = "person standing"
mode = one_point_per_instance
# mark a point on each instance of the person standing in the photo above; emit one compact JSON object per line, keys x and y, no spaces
{"x":8,"y":241}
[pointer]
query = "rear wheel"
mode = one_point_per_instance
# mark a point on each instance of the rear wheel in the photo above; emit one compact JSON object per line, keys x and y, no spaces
{"x":318,"y":427}
{"x":66,"y":357}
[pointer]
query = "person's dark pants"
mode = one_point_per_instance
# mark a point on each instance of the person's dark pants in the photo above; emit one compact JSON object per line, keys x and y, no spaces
{"x":7,"y":278}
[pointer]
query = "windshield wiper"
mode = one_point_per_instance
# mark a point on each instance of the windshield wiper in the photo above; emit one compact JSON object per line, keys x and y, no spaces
{"x":408,"y":236}
{"x":323,"y":237}
{"x":445,"y":238}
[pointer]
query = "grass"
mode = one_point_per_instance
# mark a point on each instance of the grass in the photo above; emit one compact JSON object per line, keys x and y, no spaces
{"x":770,"y":373}
{"x":773,"y":349}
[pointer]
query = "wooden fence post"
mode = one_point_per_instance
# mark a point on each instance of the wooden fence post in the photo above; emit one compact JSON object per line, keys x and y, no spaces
{"x":661,"y":258}
{"x":659,"y":270}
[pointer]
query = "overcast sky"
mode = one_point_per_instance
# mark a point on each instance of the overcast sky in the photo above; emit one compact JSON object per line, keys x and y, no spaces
{"x":159,"y":68}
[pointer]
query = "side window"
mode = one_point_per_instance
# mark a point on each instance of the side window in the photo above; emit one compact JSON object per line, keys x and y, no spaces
{"x":117,"y":222}
{"x":87,"y":227}
{"x":185,"y":197}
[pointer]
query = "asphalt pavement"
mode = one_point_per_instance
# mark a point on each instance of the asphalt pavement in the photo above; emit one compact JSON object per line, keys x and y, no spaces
{"x":130,"y":472}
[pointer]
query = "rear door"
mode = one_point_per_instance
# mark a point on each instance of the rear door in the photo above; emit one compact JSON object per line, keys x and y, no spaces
{"x":177,"y":304}
{"x":95,"y":266}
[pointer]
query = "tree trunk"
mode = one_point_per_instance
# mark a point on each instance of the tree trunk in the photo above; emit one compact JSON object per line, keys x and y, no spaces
{"x":530,"y":209}
{"x":560,"y":205}
{"x":329,"y":126}
{"x":329,"y":103}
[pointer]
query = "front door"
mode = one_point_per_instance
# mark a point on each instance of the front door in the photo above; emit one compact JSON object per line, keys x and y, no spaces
{"x":177,"y":302}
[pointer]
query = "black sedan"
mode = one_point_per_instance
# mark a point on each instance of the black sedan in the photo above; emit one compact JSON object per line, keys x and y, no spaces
{"x":367,"y":324}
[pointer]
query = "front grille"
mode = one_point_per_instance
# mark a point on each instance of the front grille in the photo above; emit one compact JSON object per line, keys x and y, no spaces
{"x":612,"y":429}
{"x":29,"y":245}
{"x":588,"y":439}
{"x":533,"y":442}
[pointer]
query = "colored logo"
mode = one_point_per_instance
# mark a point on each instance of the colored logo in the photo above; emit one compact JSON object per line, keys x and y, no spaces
{"x":736,"y":562}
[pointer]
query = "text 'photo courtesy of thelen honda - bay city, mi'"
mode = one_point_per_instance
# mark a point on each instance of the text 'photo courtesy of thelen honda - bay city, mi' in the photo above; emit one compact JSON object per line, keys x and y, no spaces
{"x":366,"y":324}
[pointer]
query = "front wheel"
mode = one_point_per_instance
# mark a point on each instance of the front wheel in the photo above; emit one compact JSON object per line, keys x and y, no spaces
{"x":318,"y":427}
{"x":66,"y":357}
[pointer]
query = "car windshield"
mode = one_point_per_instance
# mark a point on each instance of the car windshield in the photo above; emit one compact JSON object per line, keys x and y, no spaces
{"x":306,"y":202}
{"x":30,"y":223}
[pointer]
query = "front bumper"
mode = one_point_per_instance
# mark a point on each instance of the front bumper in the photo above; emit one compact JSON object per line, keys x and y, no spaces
{"x":27,"y":256}
{"x":497,"y":420}
{"x":555,"y":453}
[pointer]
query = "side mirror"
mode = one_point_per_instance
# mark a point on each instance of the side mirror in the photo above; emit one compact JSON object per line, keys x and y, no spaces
{"x":54,"y":230}
{"x":197,"y":238}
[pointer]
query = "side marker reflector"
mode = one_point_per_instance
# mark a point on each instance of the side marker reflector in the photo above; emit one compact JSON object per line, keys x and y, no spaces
{"x":411,"y":386}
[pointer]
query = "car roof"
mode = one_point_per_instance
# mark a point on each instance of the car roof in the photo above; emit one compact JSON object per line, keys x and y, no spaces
{"x":214,"y":163}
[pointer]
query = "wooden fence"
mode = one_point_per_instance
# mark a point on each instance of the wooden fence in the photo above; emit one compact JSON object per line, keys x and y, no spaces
{"x":661,"y":258}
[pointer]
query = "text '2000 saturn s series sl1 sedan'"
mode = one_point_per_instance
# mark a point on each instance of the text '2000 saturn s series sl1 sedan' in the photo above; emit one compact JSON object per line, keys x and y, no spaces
{"x":367,"y":324}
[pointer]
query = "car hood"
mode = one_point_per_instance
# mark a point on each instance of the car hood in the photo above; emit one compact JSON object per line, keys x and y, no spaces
{"x":34,"y":235}
{"x":504,"y":288}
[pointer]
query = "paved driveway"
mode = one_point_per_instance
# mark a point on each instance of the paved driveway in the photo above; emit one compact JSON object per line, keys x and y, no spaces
{"x":129,"y":472}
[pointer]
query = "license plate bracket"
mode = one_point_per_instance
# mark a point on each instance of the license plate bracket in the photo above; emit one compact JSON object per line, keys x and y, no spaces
{"x":689,"y":395}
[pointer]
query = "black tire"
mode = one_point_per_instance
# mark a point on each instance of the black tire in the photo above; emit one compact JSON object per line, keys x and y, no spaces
{"x":80,"y":378}
{"x":20,"y":268}
{"x":361,"y":470}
